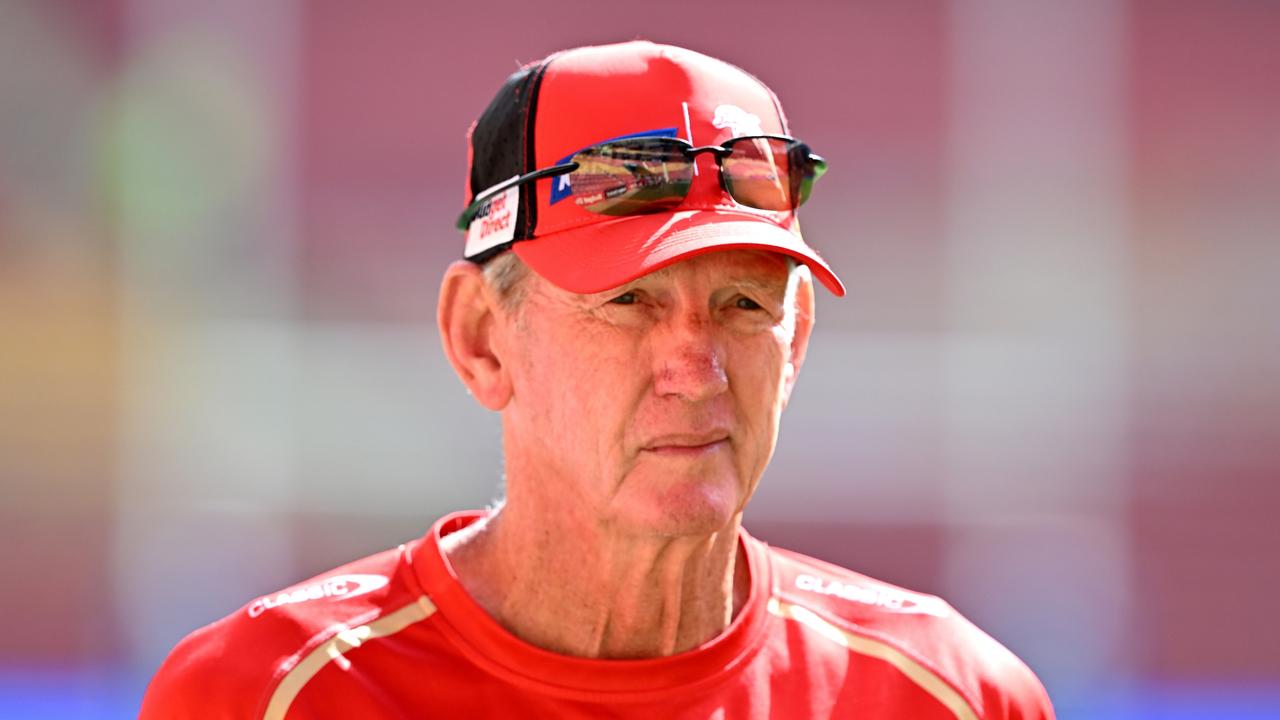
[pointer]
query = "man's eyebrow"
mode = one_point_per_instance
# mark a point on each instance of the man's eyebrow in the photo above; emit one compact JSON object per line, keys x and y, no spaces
{"x":753,"y":282}
{"x":747,"y":280}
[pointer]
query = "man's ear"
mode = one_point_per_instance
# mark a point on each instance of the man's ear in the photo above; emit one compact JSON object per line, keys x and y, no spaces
{"x":467,"y":318}
{"x":804,"y":309}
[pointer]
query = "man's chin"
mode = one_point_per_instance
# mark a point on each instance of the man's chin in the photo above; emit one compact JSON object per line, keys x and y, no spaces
{"x":684,"y":506}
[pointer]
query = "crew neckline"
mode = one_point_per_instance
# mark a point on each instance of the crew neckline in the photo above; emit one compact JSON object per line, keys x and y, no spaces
{"x":485,"y":642}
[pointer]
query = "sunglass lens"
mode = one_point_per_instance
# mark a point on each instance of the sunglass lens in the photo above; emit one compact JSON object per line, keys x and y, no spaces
{"x":768,"y":173}
{"x":814,"y":168}
{"x":629,"y":177}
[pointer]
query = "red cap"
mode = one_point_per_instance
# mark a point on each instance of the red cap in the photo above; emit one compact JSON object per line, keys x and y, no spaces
{"x":582,"y":97}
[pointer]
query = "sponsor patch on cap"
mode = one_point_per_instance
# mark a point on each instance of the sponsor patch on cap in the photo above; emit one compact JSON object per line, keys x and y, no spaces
{"x":494,"y":224}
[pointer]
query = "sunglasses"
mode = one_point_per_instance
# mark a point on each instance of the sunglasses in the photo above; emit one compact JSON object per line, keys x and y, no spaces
{"x":632,"y":176}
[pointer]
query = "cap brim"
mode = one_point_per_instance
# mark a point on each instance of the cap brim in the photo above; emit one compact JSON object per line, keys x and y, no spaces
{"x":603,"y":255}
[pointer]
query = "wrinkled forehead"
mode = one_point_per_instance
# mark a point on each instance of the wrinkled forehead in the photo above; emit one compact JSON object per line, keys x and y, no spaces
{"x":740,"y":267}
{"x":762,"y":265}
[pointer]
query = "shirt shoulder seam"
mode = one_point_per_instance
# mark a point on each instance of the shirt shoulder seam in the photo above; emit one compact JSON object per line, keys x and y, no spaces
{"x":331,"y":645}
{"x":866,"y":642}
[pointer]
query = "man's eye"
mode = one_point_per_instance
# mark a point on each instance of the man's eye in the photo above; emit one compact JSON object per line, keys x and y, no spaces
{"x":746,"y":303}
{"x":628,"y":298}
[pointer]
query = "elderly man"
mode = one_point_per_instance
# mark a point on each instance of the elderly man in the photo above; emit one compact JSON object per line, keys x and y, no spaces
{"x":636,"y":301}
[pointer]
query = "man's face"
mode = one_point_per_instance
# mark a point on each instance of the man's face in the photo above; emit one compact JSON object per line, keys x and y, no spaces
{"x":652,"y":407}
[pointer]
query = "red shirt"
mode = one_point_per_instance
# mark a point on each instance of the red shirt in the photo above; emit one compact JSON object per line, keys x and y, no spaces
{"x":395,"y":635}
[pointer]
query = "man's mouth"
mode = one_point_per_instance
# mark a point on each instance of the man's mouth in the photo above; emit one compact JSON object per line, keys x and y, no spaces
{"x":688,"y":445}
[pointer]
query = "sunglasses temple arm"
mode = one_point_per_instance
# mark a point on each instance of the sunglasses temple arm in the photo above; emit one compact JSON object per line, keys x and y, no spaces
{"x":464,"y":220}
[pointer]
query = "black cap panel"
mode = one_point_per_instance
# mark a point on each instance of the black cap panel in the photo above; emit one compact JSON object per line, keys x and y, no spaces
{"x":502,"y":143}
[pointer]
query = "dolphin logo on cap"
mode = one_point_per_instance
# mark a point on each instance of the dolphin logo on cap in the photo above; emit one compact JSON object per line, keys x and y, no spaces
{"x":738,"y":121}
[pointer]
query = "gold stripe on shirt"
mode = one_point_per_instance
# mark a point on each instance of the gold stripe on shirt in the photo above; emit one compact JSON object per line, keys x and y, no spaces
{"x":863,"y":645}
{"x":333,"y":649}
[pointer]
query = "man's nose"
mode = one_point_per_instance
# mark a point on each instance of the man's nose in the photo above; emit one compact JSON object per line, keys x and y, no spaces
{"x":689,"y":360}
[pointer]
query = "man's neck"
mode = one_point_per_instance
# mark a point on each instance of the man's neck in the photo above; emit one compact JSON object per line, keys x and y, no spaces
{"x":594,"y":592}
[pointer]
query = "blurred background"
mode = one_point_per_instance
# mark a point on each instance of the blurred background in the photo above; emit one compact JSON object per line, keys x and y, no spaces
{"x":1052,"y":395}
